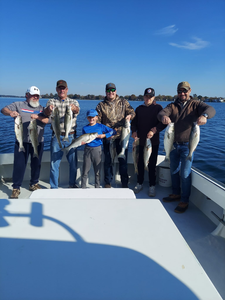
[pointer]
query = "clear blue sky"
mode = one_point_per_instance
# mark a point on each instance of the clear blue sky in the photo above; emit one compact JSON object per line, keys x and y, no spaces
{"x":134,"y":43}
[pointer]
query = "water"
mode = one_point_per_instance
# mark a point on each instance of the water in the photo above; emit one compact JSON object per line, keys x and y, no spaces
{"x":209,"y":155}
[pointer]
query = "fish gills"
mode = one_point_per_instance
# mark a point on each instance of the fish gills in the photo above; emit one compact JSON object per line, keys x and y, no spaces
{"x":135,"y":154}
{"x":68,"y":122}
{"x":55,"y":119}
{"x":33,"y":134}
{"x":193,"y":140}
{"x":125,"y":136}
{"x":147,"y":152}
{"x":168,"y":140}
{"x":19,"y":132}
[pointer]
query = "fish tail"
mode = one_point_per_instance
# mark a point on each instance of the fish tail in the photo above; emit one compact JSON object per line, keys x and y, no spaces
{"x":188,"y":157}
{"x":121,"y":155}
{"x":167,"y":158}
{"x":66,"y":139}
{"x":21,"y":149}
{"x":35,"y":155}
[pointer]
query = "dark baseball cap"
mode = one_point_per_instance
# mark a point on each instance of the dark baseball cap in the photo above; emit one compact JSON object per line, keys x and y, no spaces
{"x":110,"y":86}
{"x":61,"y":83}
{"x":150,"y":92}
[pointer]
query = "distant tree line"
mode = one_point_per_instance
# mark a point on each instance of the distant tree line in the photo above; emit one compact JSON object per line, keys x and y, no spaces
{"x":131,"y":97}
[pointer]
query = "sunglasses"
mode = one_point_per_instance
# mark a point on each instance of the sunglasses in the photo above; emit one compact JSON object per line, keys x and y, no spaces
{"x":182,"y":91}
{"x":110,"y":90}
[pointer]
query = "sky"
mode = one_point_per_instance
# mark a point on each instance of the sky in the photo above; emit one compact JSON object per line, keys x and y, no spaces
{"x":135,"y":44}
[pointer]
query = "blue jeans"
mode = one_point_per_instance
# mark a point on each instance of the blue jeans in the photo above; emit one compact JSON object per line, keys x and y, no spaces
{"x":108,"y":169}
{"x":20,"y":163}
{"x":180,"y":169}
{"x":56,"y":157}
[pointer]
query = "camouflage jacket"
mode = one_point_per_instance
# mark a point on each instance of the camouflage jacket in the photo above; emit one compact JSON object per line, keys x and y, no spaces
{"x":113,"y":113}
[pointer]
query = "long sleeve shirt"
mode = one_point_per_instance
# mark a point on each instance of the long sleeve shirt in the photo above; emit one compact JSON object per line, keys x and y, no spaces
{"x":183,"y":116}
{"x":100,"y":129}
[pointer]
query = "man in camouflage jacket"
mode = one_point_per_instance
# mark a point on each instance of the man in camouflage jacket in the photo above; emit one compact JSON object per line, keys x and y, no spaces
{"x":112,"y":112}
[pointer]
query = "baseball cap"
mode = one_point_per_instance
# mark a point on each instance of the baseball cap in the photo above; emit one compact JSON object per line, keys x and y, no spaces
{"x":92,"y":113}
{"x":33,"y":90}
{"x":61,"y":83}
{"x":150,"y":92}
{"x":110,"y":86}
{"x":184,"y":85}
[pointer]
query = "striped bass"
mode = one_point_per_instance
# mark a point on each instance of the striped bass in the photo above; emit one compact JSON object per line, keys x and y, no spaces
{"x":33,"y":134}
{"x":147,"y":152}
{"x":112,"y":149}
{"x":193,"y":140}
{"x":81,"y":140}
{"x":168,"y":140}
{"x":135,"y":154}
{"x":68,"y":122}
{"x":125,"y":136}
{"x":55,"y":120}
{"x":19,"y":132}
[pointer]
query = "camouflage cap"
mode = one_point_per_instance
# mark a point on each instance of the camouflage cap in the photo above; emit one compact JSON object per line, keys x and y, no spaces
{"x":61,"y":83}
{"x":184,"y":85}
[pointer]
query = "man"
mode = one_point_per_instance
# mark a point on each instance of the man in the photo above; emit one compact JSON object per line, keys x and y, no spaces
{"x":112,"y":112}
{"x":183,"y":112}
{"x":144,"y":126}
{"x":29,"y":109}
{"x":61,"y":102}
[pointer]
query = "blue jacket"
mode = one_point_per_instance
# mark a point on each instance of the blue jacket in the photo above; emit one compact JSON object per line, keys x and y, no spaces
{"x":100,"y":129}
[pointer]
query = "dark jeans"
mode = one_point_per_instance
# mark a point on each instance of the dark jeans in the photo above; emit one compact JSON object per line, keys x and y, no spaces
{"x":151,"y":165}
{"x":20,"y":163}
{"x":108,"y":169}
{"x":180,"y":169}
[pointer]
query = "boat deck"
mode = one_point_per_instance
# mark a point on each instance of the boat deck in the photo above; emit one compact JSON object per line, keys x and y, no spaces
{"x":194,"y":226}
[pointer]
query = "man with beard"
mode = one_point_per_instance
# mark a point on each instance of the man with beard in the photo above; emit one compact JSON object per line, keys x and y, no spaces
{"x":28,"y":110}
{"x":183,"y":112}
{"x":112,"y":112}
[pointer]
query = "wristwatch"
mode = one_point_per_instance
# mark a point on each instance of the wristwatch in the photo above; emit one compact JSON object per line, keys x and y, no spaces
{"x":205,"y":115}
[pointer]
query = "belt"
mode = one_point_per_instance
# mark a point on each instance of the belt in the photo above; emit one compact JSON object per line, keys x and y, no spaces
{"x":63,"y":133}
{"x":181,"y":143}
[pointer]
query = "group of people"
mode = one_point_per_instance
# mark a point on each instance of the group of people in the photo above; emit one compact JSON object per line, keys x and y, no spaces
{"x":107,"y":120}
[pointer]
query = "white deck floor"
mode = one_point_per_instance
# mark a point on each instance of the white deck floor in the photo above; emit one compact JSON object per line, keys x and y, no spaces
{"x":194,"y":226}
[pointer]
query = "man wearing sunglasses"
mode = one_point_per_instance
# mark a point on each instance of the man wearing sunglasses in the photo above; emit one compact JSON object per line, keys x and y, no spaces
{"x":112,"y":112}
{"x":183,"y":112}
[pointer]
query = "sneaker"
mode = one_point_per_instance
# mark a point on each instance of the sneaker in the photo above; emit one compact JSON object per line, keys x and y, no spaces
{"x":15,"y":194}
{"x":108,"y":186}
{"x":138,"y":188}
{"x":75,"y":186}
{"x":151,"y":191}
{"x":181,"y":207}
{"x":34,"y":187}
{"x":172,"y":198}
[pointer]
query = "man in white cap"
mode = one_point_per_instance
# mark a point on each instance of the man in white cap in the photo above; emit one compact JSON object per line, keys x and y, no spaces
{"x":28,"y":110}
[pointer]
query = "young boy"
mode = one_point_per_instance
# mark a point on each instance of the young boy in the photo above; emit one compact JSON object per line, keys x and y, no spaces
{"x":93,"y":150}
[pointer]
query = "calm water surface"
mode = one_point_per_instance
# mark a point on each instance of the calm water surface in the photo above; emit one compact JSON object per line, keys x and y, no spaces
{"x":209,"y":155}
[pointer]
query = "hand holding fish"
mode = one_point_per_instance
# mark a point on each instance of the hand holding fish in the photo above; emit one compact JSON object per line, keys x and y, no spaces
{"x":128,"y":117}
{"x":166,"y":120}
{"x":150,"y":134}
{"x":74,"y":109}
{"x":14,"y":114}
{"x":34,"y":116}
{"x":201,"y":120}
{"x":134,"y":136}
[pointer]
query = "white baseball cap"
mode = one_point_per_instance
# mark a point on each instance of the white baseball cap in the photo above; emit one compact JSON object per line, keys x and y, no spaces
{"x":33,"y":90}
